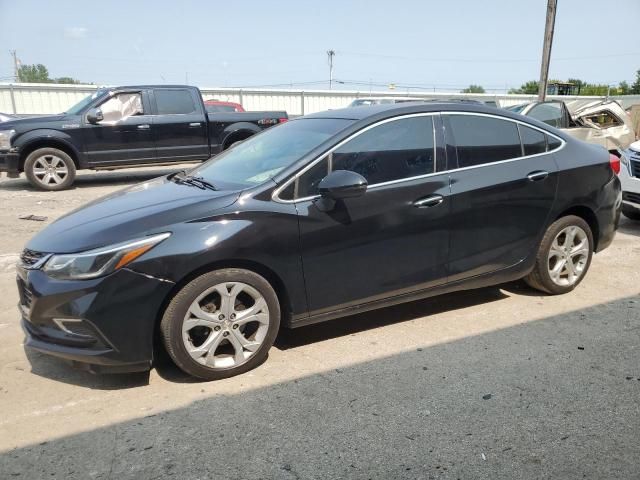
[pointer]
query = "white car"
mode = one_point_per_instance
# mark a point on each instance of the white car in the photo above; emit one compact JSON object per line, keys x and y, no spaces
{"x":630,"y":179}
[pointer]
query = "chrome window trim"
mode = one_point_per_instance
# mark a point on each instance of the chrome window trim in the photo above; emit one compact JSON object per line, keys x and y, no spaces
{"x":274,"y":195}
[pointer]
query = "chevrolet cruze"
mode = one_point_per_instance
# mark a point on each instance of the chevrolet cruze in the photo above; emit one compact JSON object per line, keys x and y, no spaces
{"x":325,"y":216}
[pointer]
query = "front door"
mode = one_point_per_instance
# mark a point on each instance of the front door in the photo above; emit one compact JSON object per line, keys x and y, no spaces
{"x":124,"y":136}
{"x":501,"y":192}
{"x":394,"y":238}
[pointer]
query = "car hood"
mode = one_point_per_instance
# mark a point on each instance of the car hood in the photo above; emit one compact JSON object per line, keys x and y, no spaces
{"x":141,"y":210}
{"x":29,"y":121}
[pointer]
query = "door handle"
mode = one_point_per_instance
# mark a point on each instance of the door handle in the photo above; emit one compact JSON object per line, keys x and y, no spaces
{"x":195,"y":124}
{"x":430,"y":201}
{"x":144,"y":127}
{"x":537,"y":176}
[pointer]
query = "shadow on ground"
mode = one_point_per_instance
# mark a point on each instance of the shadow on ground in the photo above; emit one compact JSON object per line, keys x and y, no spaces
{"x":552,"y":398}
{"x":630,"y":227}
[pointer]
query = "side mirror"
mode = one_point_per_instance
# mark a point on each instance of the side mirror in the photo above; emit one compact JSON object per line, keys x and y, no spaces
{"x":94,"y":115}
{"x":338,"y":185}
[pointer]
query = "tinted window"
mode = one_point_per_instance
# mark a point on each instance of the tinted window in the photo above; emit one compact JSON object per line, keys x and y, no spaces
{"x":307,"y":184}
{"x":262,"y":156}
{"x":484,"y":139}
{"x":120,"y":107}
{"x":552,"y":143}
{"x":171,"y":102}
{"x":533,"y":141}
{"x":549,"y":113}
{"x":391,"y":151}
{"x":219,"y":108}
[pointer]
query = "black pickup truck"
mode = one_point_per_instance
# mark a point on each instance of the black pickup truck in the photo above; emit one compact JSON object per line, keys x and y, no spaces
{"x":123,"y":127}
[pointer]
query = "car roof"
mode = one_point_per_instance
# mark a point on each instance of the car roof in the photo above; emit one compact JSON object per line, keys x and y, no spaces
{"x":393,"y":109}
{"x":130,"y":87}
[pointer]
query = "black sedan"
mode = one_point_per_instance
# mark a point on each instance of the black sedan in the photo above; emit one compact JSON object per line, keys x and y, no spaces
{"x":322,"y":217}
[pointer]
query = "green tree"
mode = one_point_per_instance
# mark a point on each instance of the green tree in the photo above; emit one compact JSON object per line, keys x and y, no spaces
{"x":473,"y":89}
{"x":530,"y":87}
{"x":635,"y":87}
{"x":65,"y":80}
{"x":623,"y":88}
{"x":33,"y":74}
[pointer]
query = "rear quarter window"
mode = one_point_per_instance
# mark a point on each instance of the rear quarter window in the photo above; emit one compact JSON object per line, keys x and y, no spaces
{"x":174,"y":102}
{"x":533,"y":141}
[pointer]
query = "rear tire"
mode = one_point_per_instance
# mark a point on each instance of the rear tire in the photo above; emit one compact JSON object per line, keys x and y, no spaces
{"x":631,"y":213}
{"x":564,"y":256}
{"x":221,"y":324}
{"x":50,"y":169}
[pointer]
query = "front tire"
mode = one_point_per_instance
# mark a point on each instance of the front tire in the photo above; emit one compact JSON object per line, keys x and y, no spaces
{"x":564,"y":256}
{"x":221,"y":324}
{"x":50,"y":169}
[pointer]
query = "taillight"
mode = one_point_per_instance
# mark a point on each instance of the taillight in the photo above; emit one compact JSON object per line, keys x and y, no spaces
{"x":614,"y":161}
{"x":282,"y":120}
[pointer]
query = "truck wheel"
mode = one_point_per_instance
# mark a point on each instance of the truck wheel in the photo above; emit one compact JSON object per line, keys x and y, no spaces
{"x":631,"y":213}
{"x":563,"y":257}
{"x":50,"y":169}
{"x":221,"y":324}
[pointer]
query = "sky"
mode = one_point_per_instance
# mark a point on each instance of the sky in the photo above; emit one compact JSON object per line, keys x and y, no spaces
{"x":417,"y":45}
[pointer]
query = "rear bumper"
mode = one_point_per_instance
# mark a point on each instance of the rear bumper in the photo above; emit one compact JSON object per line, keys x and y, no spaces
{"x":100,"y":325}
{"x":9,"y":163}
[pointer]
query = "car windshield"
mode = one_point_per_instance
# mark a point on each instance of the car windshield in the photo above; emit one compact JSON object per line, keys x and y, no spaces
{"x":260,"y":157}
{"x":78,"y":107}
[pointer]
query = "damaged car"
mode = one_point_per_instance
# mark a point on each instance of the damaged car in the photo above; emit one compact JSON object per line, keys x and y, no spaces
{"x":603,"y":122}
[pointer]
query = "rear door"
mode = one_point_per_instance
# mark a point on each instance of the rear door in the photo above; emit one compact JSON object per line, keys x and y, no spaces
{"x":125,"y":135}
{"x":502,"y":191}
{"x":180,"y":125}
{"x":393,"y":239}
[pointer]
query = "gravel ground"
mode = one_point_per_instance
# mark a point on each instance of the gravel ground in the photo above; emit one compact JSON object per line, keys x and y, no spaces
{"x":495,"y":383}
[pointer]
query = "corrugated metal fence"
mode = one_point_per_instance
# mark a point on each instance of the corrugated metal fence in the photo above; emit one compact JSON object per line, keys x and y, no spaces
{"x":43,"y":98}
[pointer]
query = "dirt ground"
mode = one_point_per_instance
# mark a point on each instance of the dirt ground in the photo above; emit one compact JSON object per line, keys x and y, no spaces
{"x":495,"y":383}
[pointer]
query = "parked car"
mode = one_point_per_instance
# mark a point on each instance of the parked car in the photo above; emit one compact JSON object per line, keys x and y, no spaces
{"x":367,"y":101}
{"x":604,"y":123}
{"x":123,"y":127}
{"x":216,"y":106}
{"x":630,"y":178}
{"x":5,"y":117}
{"x":322,"y":217}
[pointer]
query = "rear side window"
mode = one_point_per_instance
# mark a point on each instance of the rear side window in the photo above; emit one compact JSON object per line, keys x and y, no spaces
{"x":552,"y":143}
{"x":533,"y":141}
{"x":172,"y":102}
{"x":481,"y":140}
{"x":390,"y":151}
{"x":549,"y":113}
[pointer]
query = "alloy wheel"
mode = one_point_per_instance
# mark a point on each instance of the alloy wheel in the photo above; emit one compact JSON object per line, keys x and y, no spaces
{"x":225,"y":325}
{"x":568,"y":256}
{"x":50,"y":170}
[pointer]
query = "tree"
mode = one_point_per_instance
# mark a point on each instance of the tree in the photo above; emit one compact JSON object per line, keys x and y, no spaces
{"x":635,"y":87}
{"x":623,"y":88}
{"x":39,"y":74}
{"x":531,"y":88}
{"x":473,"y":89}
{"x":33,"y":74}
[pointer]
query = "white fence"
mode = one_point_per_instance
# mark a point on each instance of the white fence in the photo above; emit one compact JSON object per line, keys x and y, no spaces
{"x":43,"y":98}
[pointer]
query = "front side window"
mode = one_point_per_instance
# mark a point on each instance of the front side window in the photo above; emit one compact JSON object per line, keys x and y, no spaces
{"x":120,"y":107}
{"x":481,"y":139}
{"x":174,"y":102}
{"x":391,"y":151}
{"x":549,"y":113}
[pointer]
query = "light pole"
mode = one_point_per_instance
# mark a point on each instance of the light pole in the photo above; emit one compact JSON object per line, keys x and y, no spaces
{"x":546,"y":49}
{"x":330,"y":55}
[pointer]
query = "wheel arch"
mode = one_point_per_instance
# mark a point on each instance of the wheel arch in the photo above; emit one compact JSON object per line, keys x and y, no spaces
{"x":267,"y":273}
{"x":589,"y":216}
{"x":47,"y":142}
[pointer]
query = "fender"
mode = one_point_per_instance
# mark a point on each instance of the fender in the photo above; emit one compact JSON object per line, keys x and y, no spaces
{"x":237,"y":127}
{"x":43,"y":135}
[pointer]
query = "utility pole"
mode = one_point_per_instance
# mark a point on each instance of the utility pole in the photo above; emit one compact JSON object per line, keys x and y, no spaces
{"x":16,"y":64}
{"x":330,"y":55}
{"x":546,"y":49}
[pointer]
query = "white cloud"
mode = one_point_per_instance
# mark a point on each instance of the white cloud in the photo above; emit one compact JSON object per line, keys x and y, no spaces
{"x":75,"y":32}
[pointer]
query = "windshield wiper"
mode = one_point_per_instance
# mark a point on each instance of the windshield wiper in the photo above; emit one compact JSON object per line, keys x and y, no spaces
{"x":199,"y":182}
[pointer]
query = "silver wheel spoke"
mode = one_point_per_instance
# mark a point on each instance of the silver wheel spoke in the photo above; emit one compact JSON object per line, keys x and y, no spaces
{"x":197,"y":311}
{"x":208,"y":347}
{"x":56,"y":178}
{"x":250,"y":345}
{"x":238,"y":357}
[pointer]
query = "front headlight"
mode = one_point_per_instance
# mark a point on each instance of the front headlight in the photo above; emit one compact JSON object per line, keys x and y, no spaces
{"x":5,"y":139}
{"x":101,"y":261}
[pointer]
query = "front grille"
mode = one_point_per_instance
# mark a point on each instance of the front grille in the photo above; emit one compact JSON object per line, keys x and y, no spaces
{"x":30,"y":258}
{"x":24,"y":293}
{"x":635,"y":168}
{"x":632,"y":197}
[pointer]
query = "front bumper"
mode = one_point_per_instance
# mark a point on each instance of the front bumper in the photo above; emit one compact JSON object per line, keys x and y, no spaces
{"x":101,"y":325}
{"x":9,"y":162}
